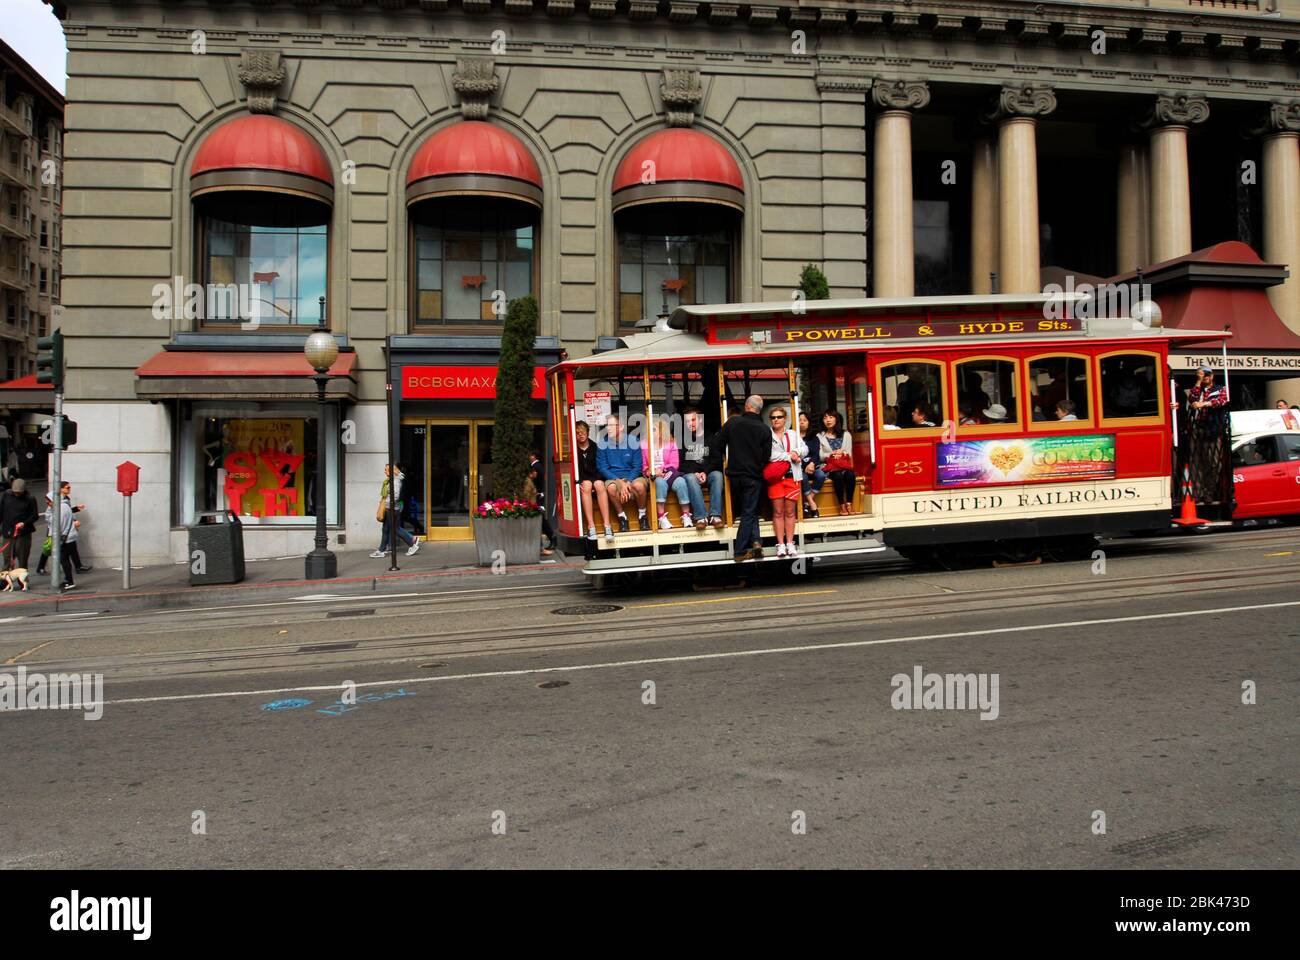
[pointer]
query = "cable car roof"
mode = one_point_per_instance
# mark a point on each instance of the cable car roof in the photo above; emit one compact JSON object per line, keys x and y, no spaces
{"x":682,"y":349}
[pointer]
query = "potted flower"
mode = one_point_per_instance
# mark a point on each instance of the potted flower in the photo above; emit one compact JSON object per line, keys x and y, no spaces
{"x":511,"y":526}
{"x":508,"y":525}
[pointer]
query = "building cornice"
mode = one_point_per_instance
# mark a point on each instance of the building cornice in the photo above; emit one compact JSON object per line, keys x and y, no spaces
{"x":1193,"y":31}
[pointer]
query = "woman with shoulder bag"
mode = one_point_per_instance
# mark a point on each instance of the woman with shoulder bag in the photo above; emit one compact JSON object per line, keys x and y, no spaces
{"x":836,"y":448}
{"x":392,"y":474}
{"x":782,"y":474}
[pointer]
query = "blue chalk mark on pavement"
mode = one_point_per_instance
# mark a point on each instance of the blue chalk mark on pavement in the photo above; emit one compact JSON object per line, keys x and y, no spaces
{"x":291,"y":704}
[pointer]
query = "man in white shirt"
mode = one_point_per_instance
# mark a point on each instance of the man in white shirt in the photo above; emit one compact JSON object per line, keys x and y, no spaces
{"x":1065,"y":410}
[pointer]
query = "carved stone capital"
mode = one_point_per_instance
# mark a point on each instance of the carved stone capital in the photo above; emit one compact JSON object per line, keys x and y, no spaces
{"x":475,"y":80}
{"x":900,"y":94}
{"x":261,"y":72}
{"x":1175,"y":110}
{"x":681,"y":91}
{"x":1279,"y":118}
{"x":1027,"y":101}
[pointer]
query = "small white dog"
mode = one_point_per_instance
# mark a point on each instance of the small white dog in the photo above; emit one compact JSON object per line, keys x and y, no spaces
{"x":15,"y":579}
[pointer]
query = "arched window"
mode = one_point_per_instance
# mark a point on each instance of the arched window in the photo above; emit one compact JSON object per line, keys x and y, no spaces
{"x":474,"y":198}
{"x":678,"y":203}
{"x":263,"y":198}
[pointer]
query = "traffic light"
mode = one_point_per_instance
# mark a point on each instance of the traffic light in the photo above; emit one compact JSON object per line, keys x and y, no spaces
{"x":69,"y":432}
{"x":49,"y":360}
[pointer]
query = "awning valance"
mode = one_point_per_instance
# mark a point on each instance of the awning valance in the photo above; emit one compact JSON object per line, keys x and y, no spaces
{"x":261,"y":152}
{"x":26,"y":394}
{"x":210,"y":374}
{"x":474,"y":157}
{"x":678,"y":164}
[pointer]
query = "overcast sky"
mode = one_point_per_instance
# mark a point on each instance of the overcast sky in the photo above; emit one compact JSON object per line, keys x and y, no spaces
{"x":31,"y":28}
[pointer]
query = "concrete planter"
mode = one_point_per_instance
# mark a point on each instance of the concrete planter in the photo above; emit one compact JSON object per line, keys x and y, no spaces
{"x":519,"y":538}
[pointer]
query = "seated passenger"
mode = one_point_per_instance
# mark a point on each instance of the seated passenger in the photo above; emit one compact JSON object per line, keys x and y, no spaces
{"x":662,"y":465}
{"x":619,"y":465}
{"x":921,"y":416}
{"x":814,"y":478}
{"x":889,"y":418}
{"x":996,"y":413}
{"x":835,"y":452}
{"x":695,"y":469}
{"x":966,"y":415}
{"x":1065,"y":410}
{"x":589,"y":481}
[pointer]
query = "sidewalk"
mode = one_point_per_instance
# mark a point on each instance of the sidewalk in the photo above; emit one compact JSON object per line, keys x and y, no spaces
{"x":167,"y":586}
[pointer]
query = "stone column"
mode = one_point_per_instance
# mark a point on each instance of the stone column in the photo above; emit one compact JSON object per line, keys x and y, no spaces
{"x":891,"y":210}
{"x":1281,"y":182}
{"x":1132,"y":209}
{"x":983,"y":214}
{"x":1171,"y":193}
{"x":1016,"y":112}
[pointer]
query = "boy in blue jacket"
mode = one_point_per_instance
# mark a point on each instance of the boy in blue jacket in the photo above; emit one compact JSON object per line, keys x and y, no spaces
{"x":619,"y":465}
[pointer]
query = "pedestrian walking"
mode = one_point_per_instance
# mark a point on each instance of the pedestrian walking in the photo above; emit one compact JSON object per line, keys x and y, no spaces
{"x":67,"y":527}
{"x":393,"y":473}
{"x":18,"y":516}
{"x":746,"y":444}
{"x":74,"y":539}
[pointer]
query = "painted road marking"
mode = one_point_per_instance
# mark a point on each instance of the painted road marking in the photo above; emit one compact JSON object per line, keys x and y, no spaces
{"x":847,"y":645}
{"x":749,"y":596}
{"x":1283,"y":553}
{"x":17,"y":657}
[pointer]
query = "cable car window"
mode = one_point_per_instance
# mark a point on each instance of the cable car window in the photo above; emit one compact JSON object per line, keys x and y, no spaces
{"x":1058,"y":389}
{"x":986,"y":392}
{"x":1129,"y":386}
{"x":1252,"y":453}
{"x":913,"y":395}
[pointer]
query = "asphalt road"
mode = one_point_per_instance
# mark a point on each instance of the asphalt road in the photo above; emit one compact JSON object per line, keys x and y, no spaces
{"x":490,"y":731}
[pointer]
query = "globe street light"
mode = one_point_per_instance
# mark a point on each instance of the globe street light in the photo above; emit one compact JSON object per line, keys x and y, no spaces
{"x":321,"y":350}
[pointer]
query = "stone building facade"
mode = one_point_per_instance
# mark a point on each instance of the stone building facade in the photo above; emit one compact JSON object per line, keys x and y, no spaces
{"x":437,"y":157}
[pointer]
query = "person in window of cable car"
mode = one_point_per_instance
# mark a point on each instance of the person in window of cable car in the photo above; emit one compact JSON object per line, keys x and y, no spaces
{"x":698,"y":476}
{"x":783,"y":487}
{"x":1282,"y":405}
{"x":746,"y":444}
{"x":995,"y":413}
{"x":921,"y":416}
{"x":589,"y":483}
{"x":1065,"y":410}
{"x":835,"y":451}
{"x":966,"y":415}
{"x":619,"y":465}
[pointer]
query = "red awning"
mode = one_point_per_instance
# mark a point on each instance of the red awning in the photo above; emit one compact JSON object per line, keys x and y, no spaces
{"x":261,"y":152}
{"x":474,"y":157}
{"x":26,"y":383}
{"x":234,"y":373}
{"x":679,"y":164}
{"x":1225,"y":284}
{"x":26,"y":394}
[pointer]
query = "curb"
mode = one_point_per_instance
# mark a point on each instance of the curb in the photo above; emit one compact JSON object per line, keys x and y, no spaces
{"x":185,"y":597}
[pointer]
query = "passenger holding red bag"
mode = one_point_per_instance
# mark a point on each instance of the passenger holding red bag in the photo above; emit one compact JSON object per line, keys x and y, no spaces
{"x":836,"y":455}
{"x":783,"y":473}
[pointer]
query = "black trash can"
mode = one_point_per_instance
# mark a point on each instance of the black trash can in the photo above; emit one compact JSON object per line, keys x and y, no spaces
{"x":216,"y":548}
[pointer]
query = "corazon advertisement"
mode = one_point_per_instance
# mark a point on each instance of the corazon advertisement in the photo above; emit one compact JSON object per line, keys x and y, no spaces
{"x":978,"y":463}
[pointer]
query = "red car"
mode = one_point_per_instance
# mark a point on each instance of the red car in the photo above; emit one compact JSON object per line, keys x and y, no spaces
{"x":1266,"y":466}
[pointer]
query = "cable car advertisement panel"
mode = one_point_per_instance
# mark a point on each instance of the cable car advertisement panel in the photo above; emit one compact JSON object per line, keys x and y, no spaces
{"x":983,"y":463}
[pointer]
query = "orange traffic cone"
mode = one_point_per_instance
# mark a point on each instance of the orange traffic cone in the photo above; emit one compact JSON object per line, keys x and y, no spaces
{"x":1188,"y":517}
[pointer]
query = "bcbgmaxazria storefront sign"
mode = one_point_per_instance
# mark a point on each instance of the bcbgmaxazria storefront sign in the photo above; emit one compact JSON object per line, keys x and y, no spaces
{"x":459,"y":383}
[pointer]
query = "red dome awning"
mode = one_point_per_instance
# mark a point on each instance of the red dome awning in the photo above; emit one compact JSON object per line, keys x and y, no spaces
{"x":261,"y":152}
{"x":687,"y":166}
{"x":474,"y":157}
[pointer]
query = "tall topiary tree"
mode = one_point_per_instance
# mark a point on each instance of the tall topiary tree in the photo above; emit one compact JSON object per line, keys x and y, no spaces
{"x":511,"y":433}
{"x":815,"y":287}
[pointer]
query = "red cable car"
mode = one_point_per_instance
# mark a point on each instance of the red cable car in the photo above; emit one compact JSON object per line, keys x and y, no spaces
{"x":1006,"y":424}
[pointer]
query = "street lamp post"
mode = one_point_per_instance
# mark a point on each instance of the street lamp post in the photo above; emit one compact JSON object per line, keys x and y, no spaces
{"x":322,"y":350}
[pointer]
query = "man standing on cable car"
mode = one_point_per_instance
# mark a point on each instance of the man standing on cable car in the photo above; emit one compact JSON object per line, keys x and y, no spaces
{"x":747,"y":443}
{"x":1208,"y":404}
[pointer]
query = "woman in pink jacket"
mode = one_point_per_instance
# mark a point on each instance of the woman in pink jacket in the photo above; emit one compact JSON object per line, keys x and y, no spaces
{"x":664,"y":467}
